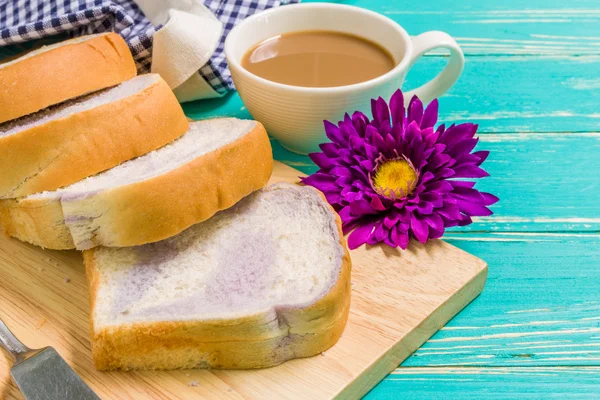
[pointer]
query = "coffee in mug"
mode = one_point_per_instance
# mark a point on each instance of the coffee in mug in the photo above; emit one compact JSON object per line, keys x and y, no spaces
{"x":318,"y":59}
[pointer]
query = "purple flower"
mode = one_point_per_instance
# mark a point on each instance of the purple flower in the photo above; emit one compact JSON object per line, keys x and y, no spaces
{"x":396,"y":177}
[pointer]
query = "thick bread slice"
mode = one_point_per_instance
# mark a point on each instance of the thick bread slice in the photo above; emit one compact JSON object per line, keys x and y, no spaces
{"x":263,"y":282}
{"x":53,"y":74}
{"x":210,"y":168}
{"x":66,"y":143}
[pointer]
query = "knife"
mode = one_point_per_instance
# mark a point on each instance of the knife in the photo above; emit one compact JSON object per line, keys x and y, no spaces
{"x":42,"y":374}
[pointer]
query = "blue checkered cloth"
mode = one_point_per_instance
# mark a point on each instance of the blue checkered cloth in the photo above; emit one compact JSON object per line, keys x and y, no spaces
{"x":23,"y":21}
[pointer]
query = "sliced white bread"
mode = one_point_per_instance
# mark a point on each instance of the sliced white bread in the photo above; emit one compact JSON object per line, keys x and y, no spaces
{"x":263,"y":282}
{"x":66,"y":143}
{"x":150,"y":198}
{"x":53,"y":74}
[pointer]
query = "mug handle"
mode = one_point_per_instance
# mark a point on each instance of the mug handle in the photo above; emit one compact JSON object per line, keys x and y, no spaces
{"x":440,"y":84}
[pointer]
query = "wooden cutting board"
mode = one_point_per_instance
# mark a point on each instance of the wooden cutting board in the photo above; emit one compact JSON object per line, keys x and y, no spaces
{"x":399,"y":299}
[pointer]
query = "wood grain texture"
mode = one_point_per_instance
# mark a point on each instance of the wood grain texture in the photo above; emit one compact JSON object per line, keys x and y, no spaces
{"x":537,"y":309}
{"x":399,"y":299}
{"x":490,"y":383}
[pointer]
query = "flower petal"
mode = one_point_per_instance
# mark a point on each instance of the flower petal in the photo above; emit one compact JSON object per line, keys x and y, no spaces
{"x":456,"y":133}
{"x":391,"y":219}
{"x":464,"y":146}
{"x":412,"y":132}
{"x":333,"y":198}
{"x":419,"y":229}
{"x":469,"y":171}
{"x":425,"y":208}
{"x":415,"y":110}
{"x":322,"y":160}
{"x":360,"y":235}
{"x":397,"y":108}
{"x":371,"y":152}
{"x":345,"y":214}
{"x":462,"y":184}
{"x":435,"y":234}
{"x":483,"y":155}
{"x":362,"y":207}
{"x":446,"y":173}
{"x":347,"y":130}
{"x":380,"y":233}
{"x":440,"y":187}
{"x":472,"y":209}
{"x":340,"y":171}
{"x":333,"y":133}
{"x":323,"y":182}
{"x":434,"y":198}
{"x":377,"y":204}
{"x":380,"y":111}
{"x":399,"y":237}
{"x":378,"y":142}
{"x":330,"y":149}
{"x":430,"y":115}
{"x":489,"y":198}
{"x":465,"y":220}
{"x":439,"y":160}
{"x":467,"y":194}
{"x":435,"y":222}
{"x":450,"y":211}
{"x":360,"y":122}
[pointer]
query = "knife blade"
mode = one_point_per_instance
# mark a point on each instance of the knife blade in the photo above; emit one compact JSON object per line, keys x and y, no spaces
{"x":42,"y":374}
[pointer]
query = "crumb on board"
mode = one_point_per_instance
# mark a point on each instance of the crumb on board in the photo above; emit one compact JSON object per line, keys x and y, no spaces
{"x":229,"y":389}
{"x":323,"y":354}
{"x":194,"y":384}
{"x":41,"y":322}
{"x":188,"y":374}
{"x":67,"y":279}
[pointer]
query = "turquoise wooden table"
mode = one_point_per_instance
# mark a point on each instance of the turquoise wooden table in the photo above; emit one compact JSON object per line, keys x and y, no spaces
{"x":532,"y":83}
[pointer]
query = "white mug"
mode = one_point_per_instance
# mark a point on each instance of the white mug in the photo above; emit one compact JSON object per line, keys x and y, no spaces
{"x":294,"y":115}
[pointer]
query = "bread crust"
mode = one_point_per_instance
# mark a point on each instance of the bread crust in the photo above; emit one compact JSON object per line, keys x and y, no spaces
{"x":40,"y":222}
{"x":62,"y":73}
{"x":150,"y":210}
{"x":65,"y":150}
{"x":256,"y":341}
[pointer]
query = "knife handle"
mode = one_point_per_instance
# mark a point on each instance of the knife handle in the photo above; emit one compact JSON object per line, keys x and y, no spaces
{"x":11,"y":344}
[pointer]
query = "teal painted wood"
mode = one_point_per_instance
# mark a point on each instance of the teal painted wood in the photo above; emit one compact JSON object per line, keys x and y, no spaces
{"x":540,"y":306}
{"x":490,"y":383}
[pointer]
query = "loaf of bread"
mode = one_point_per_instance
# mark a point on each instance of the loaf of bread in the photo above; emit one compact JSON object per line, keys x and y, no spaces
{"x":150,"y":198}
{"x":64,"y":144}
{"x":263,"y":282}
{"x":53,"y":74}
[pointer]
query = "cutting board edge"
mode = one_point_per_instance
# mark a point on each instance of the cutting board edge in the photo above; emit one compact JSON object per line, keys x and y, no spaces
{"x":399,"y":352}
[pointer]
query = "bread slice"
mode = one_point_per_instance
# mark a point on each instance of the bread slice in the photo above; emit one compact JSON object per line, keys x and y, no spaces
{"x":215,"y":164}
{"x":263,"y":282}
{"x":53,"y":74}
{"x":66,"y":143}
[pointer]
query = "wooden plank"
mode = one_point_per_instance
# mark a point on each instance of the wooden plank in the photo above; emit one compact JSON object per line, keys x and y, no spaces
{"x":534,"y":332}
{"x":543,"y":181}
{"x":399,"y":299}
{"x":536,"y":27}
{"x":490,"y":383}
{"x":539,"y":308}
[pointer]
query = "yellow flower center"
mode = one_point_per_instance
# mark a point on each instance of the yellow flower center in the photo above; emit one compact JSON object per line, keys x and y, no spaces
{"x":395,"y":177}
